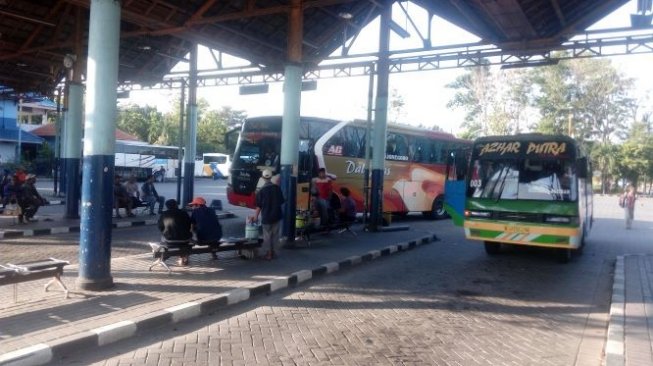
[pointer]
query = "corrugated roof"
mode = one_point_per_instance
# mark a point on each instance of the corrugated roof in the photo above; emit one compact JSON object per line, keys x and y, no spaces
{"x":156,"y":34}
{"x":48,"y":130}
{"x":11,"y":135}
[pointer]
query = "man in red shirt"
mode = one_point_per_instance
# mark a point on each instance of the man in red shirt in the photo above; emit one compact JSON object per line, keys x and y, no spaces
{"x":323,"y":188}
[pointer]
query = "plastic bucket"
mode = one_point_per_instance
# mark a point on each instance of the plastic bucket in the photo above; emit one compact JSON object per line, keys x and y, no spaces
{"x":300,"y":221}
{"x":251,"y":232}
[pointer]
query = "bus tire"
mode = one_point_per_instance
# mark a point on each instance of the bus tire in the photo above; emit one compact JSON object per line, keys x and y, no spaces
{"x":564,"y":255}
{"x":492,"y":248}
{"x":437,"y":210}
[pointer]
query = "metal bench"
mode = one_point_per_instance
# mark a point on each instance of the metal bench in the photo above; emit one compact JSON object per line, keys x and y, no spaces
{"x":28,"y":271}
{"x":163,"y":251}
{"x":339,"y":227}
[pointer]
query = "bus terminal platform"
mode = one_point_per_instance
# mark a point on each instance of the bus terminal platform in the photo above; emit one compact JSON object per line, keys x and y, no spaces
{"x":38,"y":327}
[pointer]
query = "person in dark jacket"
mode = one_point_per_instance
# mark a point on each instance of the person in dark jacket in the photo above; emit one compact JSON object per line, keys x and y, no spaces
{"x":268,"y":205}
{"x":175,"y":225}
{"x":151,"y":196}
{"x":29,"y":199}
{"x":205,"y":224}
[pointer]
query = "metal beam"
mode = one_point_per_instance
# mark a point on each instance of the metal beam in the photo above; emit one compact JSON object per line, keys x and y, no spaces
{"x":559,"y":14}
{"x":436,"y":58}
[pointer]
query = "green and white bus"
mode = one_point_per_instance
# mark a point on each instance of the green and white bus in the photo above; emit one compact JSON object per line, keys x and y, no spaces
{"x":528,"y":189}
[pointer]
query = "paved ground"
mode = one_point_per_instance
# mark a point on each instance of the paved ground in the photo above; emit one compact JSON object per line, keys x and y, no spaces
{"x":446,"y":303}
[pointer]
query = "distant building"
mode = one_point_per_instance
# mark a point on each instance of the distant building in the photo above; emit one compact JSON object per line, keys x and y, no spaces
{"x":9,"y":133}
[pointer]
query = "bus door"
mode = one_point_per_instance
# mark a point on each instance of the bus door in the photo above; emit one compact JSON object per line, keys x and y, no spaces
{"x":305,"y":165}
{"x":455,"y":184}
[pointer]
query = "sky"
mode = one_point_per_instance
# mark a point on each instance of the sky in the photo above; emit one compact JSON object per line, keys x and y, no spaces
{"x":424,"y":93}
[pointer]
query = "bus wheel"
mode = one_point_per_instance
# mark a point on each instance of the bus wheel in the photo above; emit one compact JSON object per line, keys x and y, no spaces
{"x":437,"y":210}
{"x":492,"y":248}
{"x":564,"y":255}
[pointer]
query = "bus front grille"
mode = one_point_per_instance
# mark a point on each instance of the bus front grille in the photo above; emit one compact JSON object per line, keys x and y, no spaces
{"x":518,"y":216}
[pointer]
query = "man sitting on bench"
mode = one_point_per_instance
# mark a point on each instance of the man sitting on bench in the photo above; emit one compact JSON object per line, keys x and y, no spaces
{"x":205,"y":224}
{"x":348,"y":206}
{"x":175,"y":225}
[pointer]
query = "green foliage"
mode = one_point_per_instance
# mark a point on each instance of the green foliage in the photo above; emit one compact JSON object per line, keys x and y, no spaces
{"x":154,"y":127}
{"x":494,"y":103}
{"x":144,"y":122}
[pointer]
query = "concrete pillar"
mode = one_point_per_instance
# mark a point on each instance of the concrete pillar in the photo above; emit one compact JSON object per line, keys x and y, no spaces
{"x":191,"y":135}
{"x":99,"y":146}
{"x":72,"y":150}
{"x":180,"y":153}
{"x":291,"y":118}
{"x":380,"y":119}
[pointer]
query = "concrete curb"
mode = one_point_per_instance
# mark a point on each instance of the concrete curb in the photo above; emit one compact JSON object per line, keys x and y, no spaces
{"x":614,"y":348}
{"x":7,"y":234}
{"x":43,"y":353}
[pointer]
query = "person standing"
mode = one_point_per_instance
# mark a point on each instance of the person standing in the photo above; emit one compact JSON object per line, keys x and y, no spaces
{"x":175,"y":227}
{"x":628,"y":198}
{"x":151,"y":196}
{"x":324,"y":188}
{"x":268,"y":205}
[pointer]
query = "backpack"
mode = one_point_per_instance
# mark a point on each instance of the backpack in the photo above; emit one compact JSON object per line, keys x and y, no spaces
{"x":622,"y":201}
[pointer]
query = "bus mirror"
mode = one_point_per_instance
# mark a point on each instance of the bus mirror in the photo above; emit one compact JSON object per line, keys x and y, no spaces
{"x":230,"y":140}
{"x":581,"y":167}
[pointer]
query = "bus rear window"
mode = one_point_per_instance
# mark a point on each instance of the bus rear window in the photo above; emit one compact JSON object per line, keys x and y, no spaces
{"x":215,"y":159}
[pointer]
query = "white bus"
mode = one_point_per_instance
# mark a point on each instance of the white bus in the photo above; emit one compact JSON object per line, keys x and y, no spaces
{"x":141,"y":159}
{"x":215,"y":165}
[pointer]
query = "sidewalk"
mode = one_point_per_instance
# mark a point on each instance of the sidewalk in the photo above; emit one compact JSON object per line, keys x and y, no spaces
{"x":51,"y":220}
{"x":630,"y":332}
{"x":43,"y":327}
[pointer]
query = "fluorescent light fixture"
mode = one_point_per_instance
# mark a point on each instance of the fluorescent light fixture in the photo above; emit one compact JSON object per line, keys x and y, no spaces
{"x":345,"y":15}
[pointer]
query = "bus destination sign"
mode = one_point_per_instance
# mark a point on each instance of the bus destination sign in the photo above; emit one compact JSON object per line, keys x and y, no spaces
{"x":513,"y":149}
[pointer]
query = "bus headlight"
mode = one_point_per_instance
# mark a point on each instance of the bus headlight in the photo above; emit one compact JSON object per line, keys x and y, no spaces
{"x":483,"y":214}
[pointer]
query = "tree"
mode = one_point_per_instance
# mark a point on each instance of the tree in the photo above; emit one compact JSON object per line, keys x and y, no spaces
{"x":146,"y":122}
{"x":396,"y":106}
{"x":495,"y":102}
{"x":473,"y":94}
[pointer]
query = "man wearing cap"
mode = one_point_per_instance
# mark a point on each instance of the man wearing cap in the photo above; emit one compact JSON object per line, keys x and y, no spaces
{"x":268,"y":205}
{"x":174,"y":225}
{"x":204,"y":223}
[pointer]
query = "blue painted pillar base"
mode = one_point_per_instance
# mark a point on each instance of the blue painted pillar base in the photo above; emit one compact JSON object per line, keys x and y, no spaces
{"x":73,"y":188}
{"x":189,"y":172}
{"x":95,"y":230}
{"x":289,"y":189}
{"x":62,"y":177}
{"x":376,"y":201}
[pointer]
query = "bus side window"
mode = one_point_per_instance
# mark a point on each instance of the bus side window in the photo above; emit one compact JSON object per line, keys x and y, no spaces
{"x":435,"y":153}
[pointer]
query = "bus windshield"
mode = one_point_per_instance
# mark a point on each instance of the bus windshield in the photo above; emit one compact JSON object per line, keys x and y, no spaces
{"x":523,"y":179}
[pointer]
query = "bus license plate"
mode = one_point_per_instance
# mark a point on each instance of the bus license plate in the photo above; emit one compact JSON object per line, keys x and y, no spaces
{"x":516,"y":229}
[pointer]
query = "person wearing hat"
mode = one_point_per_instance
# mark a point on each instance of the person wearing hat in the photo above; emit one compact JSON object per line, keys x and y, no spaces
{"x":175,"y":227}
{"x":29,"y":199}
{"x":268,"y":205}
{"x":204,"y":223}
